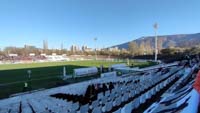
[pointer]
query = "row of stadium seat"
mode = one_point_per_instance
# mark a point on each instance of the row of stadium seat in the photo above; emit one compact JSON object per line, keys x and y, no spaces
{"x":123,"y":93}
{"x":131,"y":89}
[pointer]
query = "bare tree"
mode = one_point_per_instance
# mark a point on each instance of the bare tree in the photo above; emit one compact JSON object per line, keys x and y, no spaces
{"x":142,"y":50}
{"x":148,"y":47}
{"x":133,"y":48}
{"x":160,"y":44}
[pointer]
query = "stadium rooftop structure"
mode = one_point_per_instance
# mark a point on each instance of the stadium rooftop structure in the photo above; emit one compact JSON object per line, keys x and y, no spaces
{"x":130,"y":93}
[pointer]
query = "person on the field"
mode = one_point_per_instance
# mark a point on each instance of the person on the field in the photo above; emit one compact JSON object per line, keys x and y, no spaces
{"x":25,"y":86}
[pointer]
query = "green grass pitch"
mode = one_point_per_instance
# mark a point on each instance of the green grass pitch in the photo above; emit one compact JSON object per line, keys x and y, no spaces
{"x":45,"y":75}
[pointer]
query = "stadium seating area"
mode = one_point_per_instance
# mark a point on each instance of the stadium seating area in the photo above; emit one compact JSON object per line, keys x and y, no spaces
{"x":22,"y":58}
{"x":120,"y":94}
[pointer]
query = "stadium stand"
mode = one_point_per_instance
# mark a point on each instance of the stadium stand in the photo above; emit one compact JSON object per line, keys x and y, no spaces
{"x":119,"y":94}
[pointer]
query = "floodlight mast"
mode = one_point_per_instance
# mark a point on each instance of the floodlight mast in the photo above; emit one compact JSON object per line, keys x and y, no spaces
{"x":156,"y":41}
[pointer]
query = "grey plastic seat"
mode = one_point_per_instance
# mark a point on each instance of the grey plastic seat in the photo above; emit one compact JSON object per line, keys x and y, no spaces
{"x":132,"y":93}
{"x":117,"y":101}
{"x":127,"y":108}
{"x":100,"y":95}
{"x":165,"y":83}
{"x":107,"y":93}
{"x":94,"y":104}
{"x":142,"y":98}
{"x":97,"y":110}
{"x":25,"y":107}
{"x":136,"y":103}
{"x":125,"y":97}
{"x":147,"y":94}
{"x":137,"y":91}
{"x":74,"y":111}
{"x":25,"y":110}
{"x":112,"y":97}
{"x":36,"y":106}
{"x":107,"y":107}
{"x":157,"y":88}
{"x":75,"y":106}
{"x":117,"y":94}
{"x":6,"y":110}
{"x":84,"y":108}
{"x":113,"y":90}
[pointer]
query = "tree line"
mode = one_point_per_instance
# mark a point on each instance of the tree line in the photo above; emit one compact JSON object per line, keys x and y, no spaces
{"x":134,"y":49}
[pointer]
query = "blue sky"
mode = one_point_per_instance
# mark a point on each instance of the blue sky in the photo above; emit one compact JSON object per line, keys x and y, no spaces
{"x":79,"y":21}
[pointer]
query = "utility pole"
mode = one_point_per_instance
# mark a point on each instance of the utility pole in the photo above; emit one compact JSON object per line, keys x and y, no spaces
{"x":61,"y":48}
{"x":156,"y":41}
{"x":95,"y":40}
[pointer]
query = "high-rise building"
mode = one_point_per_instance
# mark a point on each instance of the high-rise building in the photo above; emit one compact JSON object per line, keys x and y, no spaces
{"x":45,"y":44}
{"x":84,"y":48}
{"x":75,"y":48}
{"x":61,"y":46}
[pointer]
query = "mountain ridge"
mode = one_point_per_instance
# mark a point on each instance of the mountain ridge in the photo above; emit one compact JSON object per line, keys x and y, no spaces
{"x":176,"y":40}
